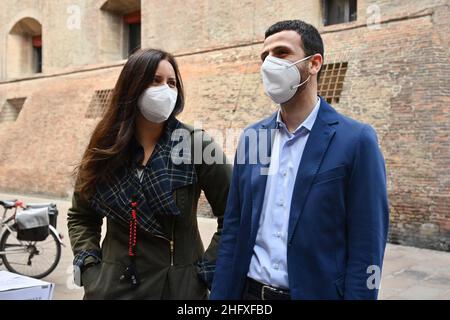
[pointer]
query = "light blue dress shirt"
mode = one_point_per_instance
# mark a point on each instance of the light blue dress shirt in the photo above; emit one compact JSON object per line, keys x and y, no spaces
{"x":269,"y":261}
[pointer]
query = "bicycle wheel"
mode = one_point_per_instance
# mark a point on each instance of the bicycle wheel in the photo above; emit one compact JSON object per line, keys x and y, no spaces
{"x":35,"y":259}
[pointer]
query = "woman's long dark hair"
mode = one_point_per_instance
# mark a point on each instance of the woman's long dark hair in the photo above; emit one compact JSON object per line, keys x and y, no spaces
{"x":109,"y":145}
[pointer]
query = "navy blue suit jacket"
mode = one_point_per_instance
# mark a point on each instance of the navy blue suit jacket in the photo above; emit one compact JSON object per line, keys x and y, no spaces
{"x":338,"y":220}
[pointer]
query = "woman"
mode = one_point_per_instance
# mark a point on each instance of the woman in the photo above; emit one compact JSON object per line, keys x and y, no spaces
{"x":152,"y":248}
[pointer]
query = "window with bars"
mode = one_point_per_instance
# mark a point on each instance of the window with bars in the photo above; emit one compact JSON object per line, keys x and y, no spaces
{"x":11,"y":109}
{"x":332,"y":81}
{"x":98,"y":103}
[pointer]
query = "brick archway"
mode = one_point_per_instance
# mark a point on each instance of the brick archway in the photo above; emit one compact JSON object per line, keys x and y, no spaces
{"x":24,"y":48}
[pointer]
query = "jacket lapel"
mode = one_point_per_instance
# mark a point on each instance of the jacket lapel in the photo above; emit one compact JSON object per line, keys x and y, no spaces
{"x":260,"y":170}
{"x":319,"y":138}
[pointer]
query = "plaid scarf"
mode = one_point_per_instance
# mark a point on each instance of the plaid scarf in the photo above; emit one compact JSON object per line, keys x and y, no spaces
{"x":154,"y":194}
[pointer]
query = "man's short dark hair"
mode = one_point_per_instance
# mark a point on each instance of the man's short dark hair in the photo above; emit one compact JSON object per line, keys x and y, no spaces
{"x":311,"y":42}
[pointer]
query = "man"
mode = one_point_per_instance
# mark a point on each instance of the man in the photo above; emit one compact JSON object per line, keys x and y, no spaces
{"x":312,"y":223}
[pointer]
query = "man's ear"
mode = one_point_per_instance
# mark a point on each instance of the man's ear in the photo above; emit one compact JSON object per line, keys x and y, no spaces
{"x":316,"y":63}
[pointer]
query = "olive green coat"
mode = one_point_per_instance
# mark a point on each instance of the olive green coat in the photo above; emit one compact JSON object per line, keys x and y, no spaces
{"x":166,"y":266}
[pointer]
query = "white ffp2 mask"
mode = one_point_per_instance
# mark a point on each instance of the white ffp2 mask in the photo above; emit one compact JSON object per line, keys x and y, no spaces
{"x":281,"y":78}
{"x":157,"y":103}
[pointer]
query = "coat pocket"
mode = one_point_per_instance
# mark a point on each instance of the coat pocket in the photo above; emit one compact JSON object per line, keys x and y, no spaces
{"x":330,"y":175}
{"x":89,"y":278}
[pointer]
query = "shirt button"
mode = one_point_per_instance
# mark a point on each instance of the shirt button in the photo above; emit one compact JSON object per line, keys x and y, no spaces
{"x":278,"y":234}
{"x":276,"y":266}
{"x":284,"y":173}
{"x":281,"y":203}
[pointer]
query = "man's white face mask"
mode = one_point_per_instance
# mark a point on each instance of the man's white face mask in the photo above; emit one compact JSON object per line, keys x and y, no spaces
{"x":157,"y":103}
{"x":281,"y":78}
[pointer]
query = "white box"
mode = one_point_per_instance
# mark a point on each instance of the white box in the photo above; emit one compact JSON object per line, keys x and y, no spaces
{"x":18,"y":287}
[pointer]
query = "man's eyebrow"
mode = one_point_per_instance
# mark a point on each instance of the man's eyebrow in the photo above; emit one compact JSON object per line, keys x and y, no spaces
{"x":282,"y":47}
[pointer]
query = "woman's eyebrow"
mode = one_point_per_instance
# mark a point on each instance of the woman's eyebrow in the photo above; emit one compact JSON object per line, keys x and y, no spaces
{"x":170,"y":77}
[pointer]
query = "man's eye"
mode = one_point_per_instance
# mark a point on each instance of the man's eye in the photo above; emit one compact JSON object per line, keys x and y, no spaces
{"x":281,"y":51}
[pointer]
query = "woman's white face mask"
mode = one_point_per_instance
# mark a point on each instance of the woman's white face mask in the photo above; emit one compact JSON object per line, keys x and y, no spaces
{"x":157,"y":103}
{"x":281,"y":78}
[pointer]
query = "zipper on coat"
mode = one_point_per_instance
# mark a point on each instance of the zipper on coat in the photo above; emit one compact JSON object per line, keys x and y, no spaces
{"x":172,"y":242}
{"x":171,"y":252}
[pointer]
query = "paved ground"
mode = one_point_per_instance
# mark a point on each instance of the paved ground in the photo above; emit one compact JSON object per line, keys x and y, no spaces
{"x":408,"y":273}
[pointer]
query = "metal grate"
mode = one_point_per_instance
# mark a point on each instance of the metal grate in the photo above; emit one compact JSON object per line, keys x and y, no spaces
{"x":332,"y":81}
{"x":11,"y":109}
{"x":98,"y":103}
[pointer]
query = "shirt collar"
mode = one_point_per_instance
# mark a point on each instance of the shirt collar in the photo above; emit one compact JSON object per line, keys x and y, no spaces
{"x":307,"y":123}
{"x":137,"y":153}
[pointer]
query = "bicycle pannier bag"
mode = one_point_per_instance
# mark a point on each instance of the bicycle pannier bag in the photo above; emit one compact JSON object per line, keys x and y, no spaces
{"x":32,"y":224}
{"x":52,"y":211}
{"x":53,"y":214}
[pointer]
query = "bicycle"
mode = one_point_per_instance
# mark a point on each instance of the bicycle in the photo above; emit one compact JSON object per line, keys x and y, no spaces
{"x":35,"y":259}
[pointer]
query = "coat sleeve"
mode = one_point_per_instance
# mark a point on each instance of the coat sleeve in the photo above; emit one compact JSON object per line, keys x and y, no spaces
{"x":214,"y":179}
{"x":222,"y":287}
{"x":367,"y":219}
{"x":84,"y":231}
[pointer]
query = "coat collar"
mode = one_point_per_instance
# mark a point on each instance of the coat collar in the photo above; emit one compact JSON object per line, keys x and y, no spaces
{"x":326,"y":113}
